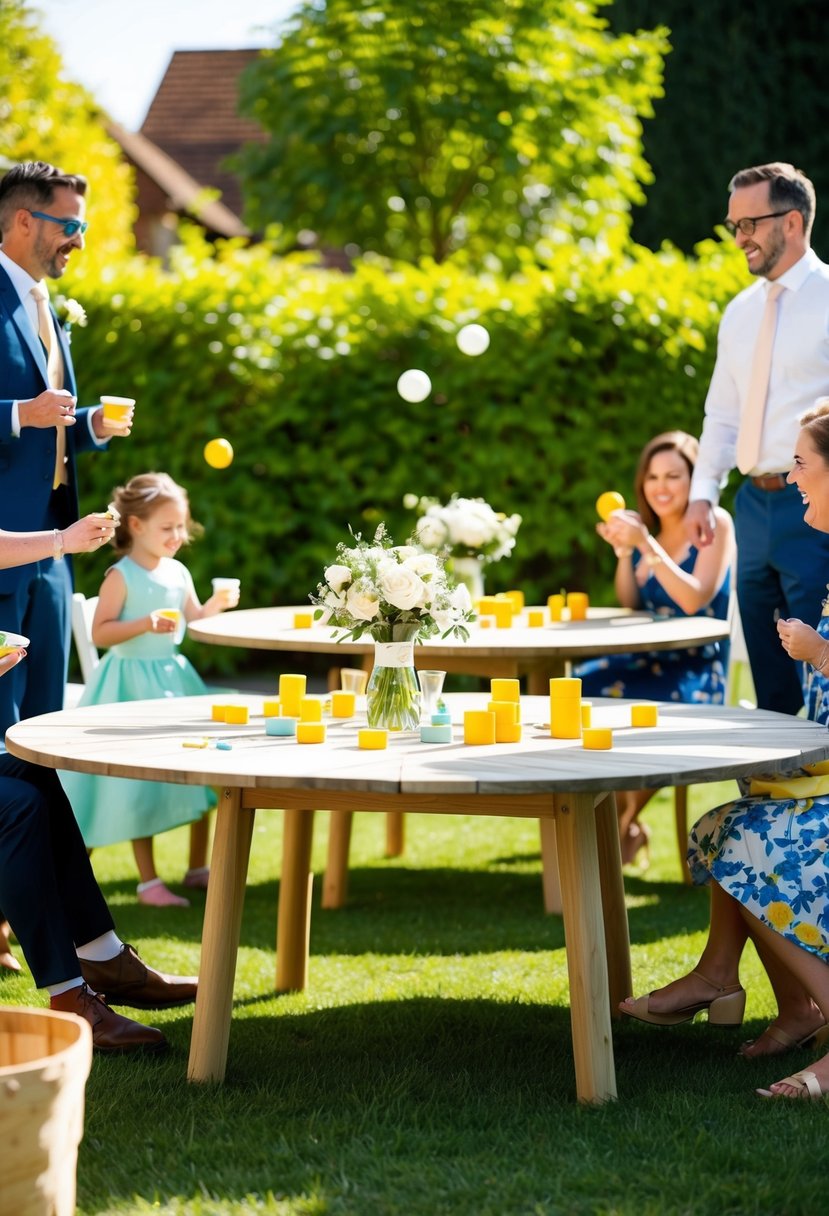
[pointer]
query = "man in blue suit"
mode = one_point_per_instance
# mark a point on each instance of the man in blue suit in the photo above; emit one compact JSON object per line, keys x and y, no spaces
{"x":41,"y":224}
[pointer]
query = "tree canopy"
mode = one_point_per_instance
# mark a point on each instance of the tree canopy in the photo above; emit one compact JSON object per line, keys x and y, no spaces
{"x":418,"y":130}
{"x":45,"y":117}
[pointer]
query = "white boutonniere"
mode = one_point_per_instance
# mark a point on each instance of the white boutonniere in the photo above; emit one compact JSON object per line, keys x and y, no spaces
{"x":68,"y":312}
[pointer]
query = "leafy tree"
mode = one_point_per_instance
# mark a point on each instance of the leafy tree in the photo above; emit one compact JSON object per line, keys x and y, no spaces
{"x":45,"y":117}
{"x":413,"y":130}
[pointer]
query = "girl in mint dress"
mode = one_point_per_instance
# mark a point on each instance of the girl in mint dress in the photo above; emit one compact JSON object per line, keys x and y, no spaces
{"x":142,"y":662}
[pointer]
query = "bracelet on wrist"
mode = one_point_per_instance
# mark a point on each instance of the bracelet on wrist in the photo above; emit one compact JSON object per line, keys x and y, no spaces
{"x":652,"y":559}
{"x":824,"y":658}
{"x":57,"y":544}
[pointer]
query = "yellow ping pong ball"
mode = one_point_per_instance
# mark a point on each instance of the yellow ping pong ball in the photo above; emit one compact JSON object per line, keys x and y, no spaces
{"x":609,"y":502}
{"x":218,"y":453}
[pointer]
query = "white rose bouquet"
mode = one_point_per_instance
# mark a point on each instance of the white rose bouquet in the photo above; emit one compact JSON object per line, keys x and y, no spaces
{"x":463,"y":527}
{"x":399,"y":595}
{"x":392,"y":592}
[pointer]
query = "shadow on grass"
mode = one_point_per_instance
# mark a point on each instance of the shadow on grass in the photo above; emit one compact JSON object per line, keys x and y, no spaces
{"x":398,"y":910}
{"x":435,"y":1106}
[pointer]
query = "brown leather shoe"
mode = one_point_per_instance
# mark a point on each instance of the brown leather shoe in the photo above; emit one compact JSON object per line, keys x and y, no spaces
{"x":126,"y":980}
{"x":110,"y":1031}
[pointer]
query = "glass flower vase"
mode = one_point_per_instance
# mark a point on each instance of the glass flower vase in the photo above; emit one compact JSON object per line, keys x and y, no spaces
{"x":392,"y":692}
{"x":470,"y":572}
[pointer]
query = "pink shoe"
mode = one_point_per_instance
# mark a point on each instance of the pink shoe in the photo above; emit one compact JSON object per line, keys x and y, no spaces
{"x":155,"y":894}
{"x":197,"y":878}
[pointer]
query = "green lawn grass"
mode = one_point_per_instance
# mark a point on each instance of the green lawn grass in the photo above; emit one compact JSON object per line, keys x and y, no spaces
{"x":428,"y":1068}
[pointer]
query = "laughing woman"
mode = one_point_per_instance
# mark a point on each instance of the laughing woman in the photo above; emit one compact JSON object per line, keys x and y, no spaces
{"x":765,"y":856}
{"x":660,"y":571}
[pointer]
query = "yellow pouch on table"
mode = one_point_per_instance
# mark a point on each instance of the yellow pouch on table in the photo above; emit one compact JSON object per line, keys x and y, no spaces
{"x":811,"y":782}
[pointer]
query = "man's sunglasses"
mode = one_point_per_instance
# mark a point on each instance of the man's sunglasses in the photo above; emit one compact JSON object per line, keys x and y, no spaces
{"x":70,"y":227}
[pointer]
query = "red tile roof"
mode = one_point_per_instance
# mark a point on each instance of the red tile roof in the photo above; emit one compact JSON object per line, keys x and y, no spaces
{"x":193,"y":116}
{"x":181,"y":191}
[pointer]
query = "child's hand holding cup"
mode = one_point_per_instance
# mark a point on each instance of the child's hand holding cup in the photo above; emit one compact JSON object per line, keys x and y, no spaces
{"x":226,"y":592}
{"x":117,"y":414}
{"x":165,"y":620}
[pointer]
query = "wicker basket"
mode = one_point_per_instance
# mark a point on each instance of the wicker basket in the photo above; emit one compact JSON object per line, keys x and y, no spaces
{"x":45,"y":1059}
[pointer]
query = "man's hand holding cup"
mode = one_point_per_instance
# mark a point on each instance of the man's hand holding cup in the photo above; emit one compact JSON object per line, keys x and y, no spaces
{"x":114,"y":419}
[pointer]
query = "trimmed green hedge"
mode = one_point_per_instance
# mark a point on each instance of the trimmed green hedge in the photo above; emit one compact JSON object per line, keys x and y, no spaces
{"x":297,"y":367}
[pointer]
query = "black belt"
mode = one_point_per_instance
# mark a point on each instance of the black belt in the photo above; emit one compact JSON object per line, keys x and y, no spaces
{"x":770,"y":481}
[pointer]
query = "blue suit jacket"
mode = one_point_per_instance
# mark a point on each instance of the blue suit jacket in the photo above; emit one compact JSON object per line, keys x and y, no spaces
{"x":27,"y":463}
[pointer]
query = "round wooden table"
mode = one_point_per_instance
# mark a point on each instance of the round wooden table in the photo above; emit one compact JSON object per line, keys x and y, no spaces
{"x":537,"y":654}
{"x":534,"y":654}
{"x":545,"y":778}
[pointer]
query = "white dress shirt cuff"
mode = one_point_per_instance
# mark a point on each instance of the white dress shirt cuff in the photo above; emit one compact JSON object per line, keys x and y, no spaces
{"x":705,"y":489}
{"x":99,"y":443}
{"x":15,"y":420}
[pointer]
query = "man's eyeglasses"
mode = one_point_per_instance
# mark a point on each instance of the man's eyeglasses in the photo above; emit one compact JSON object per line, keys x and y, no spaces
{"x":748,"y":223}
{"x":70,"y":227}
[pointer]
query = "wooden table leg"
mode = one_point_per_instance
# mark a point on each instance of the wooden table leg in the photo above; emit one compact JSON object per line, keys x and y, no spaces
{"x":293,"y":930}
{"x":335,"y":882}
{"x":549,"y":866}
{"x":395,"y":834}
{"x":538,"y":678}
{"x":613,"y":903}
{"x":586,"y":953}
{"x":681,"y":821}
{"x":220,"y":939}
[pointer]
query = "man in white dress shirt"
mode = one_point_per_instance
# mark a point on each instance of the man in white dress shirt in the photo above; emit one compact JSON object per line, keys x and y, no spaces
{"x":782,"y":564}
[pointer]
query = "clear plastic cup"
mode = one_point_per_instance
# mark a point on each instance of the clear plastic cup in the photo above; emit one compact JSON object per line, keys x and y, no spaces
{"x":353,"y":680}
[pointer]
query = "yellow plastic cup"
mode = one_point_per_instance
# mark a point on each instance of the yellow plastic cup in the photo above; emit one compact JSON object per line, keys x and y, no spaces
{"x":116,"y":410}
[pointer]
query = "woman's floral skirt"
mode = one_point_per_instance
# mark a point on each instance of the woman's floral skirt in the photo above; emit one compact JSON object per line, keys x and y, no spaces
{"x":772,"y":855}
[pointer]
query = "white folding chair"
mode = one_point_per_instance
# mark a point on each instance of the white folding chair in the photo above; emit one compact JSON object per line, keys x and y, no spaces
{"x":737,"y":664}
{"x":83,"y":610}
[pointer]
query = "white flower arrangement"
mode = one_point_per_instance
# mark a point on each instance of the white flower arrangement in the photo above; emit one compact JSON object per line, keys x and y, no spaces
{"x":69,"y":312}
{"x":389,"y":591}
{"x":463,"y":527}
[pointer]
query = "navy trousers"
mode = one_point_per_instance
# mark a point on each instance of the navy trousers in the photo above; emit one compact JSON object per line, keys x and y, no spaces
{"x":47,"y":888}
{"x":782,"y":571}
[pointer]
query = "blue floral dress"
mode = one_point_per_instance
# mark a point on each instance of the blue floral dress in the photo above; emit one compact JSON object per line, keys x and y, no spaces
{"x":772,"y":854}
{"x":691,"y":675}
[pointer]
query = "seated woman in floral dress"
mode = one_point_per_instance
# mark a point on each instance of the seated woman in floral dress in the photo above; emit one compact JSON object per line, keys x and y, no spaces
{"x":765,"y":856}
{"x":660,"y":571}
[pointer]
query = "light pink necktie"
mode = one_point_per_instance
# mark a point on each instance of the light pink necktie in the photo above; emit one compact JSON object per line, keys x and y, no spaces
{"x":754,"y":409}
{"x":54,"y":370}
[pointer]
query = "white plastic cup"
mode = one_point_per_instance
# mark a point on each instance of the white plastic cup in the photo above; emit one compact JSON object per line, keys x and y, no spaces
{"x":228,"y":589}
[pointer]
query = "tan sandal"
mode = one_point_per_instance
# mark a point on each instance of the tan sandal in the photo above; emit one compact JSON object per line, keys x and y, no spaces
{"x":805,"y":1082}
{"x":815,"y":1038}
{"x":725,"y":1008}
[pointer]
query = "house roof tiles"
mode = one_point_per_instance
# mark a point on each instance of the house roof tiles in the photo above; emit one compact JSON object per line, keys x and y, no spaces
{"x":193,"y":116}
